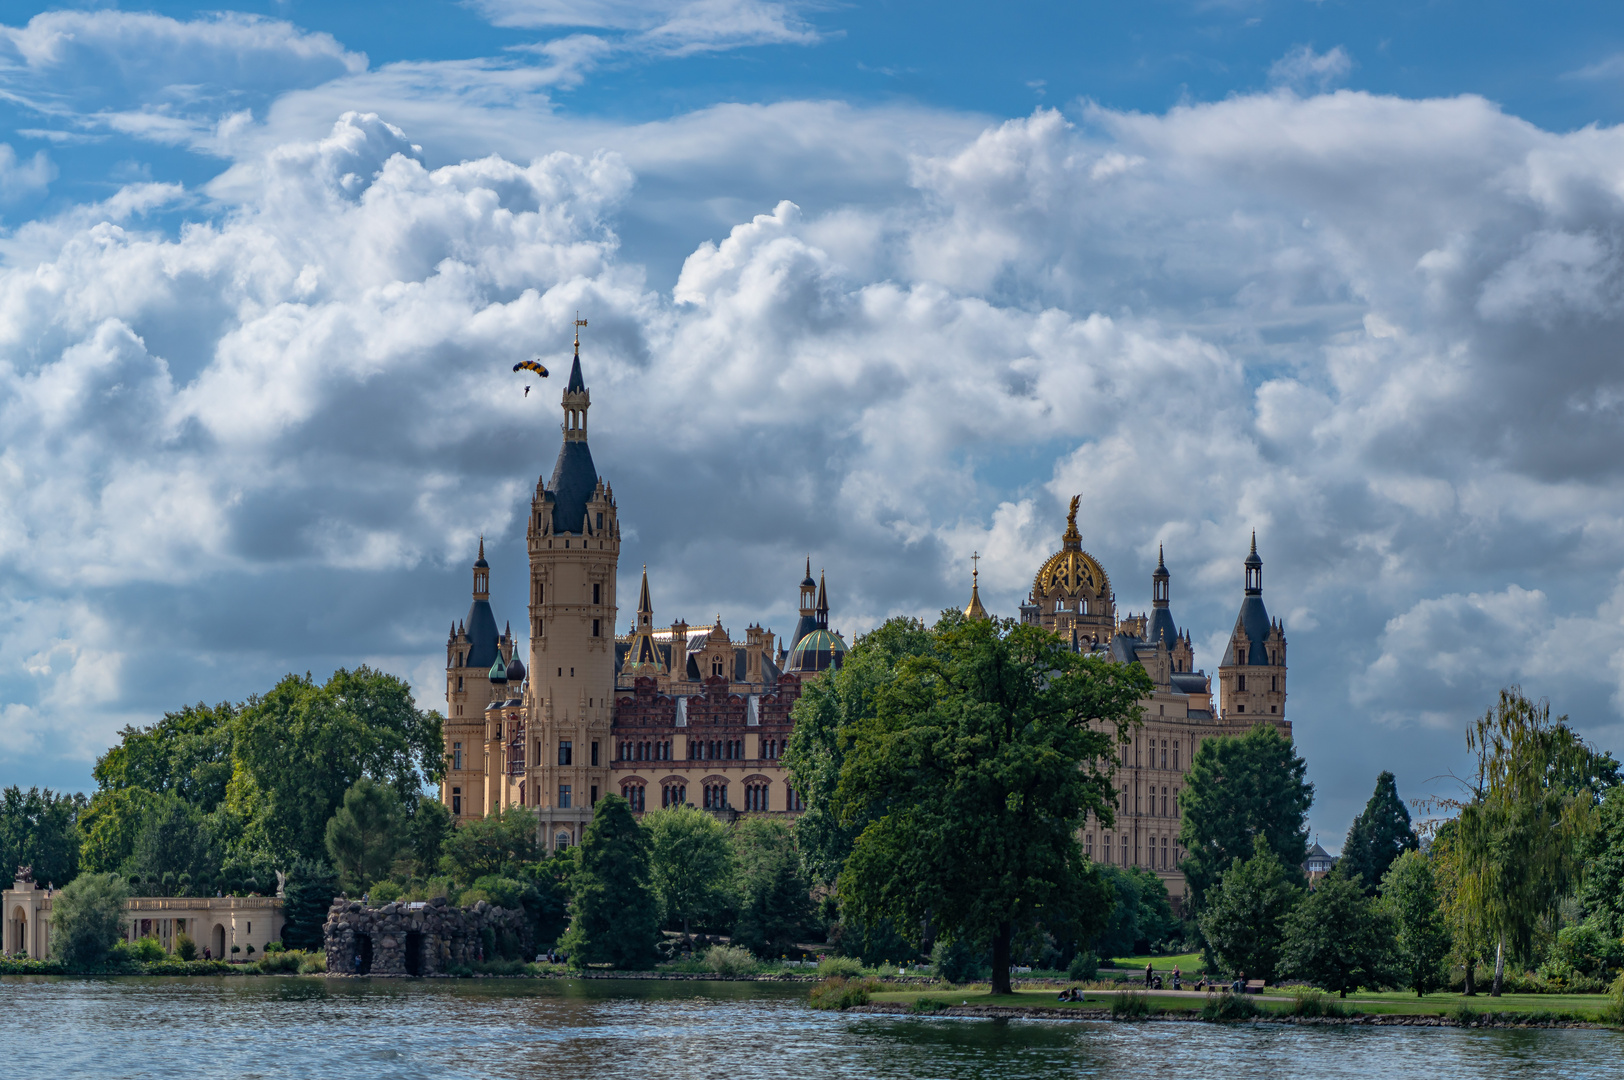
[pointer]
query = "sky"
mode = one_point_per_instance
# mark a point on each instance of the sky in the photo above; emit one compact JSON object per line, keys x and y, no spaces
{"x":883,"y":285}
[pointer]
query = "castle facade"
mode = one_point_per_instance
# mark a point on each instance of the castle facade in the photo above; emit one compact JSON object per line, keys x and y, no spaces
{"x":673,"y":714}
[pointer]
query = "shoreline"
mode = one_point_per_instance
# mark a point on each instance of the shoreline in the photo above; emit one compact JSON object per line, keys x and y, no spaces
{"x":1041,"y":1012}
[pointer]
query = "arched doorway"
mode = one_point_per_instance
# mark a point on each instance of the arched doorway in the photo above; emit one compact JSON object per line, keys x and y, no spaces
{"x":19,"y":922}
{"x":218,"y":938}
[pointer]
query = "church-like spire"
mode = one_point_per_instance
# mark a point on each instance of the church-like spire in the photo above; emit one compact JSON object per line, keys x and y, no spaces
{"x":1254,"y":570}
{"x":974,"y":610}
{"x":823,"y":604}
{"x":482,"y":574}
{"x":645,"y":609}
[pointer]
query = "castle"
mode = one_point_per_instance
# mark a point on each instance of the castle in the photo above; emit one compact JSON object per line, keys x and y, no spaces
{"x":678,"y":714}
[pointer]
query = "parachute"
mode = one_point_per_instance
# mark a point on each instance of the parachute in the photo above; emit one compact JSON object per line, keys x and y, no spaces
{"x":530,"y":365}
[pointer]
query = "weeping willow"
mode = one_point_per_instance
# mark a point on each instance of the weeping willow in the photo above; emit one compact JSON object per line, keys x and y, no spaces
{"x":1520,"y":836}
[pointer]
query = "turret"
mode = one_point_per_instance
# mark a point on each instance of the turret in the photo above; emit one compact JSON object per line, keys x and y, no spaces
{"x":1252,"y":676}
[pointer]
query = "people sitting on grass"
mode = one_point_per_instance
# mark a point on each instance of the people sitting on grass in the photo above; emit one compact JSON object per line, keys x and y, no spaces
{"x":1071,"y":993}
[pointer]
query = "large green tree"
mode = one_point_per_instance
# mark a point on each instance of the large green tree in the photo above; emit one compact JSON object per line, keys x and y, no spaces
{"x":1603,"y":891}
{"x":826,"y":714}
{"x":366,"y":833}
{"x":1522,"y":833}
{"x":1241,"y":787}
{"x":87,"y":919}
{"x":690,"y":863}
{"x":494,"y":844}
{"x":1142,"y":915}
{"x":1469,"y":939}
{"x":615,"y":917}
{"x":1338,"y":938}
{"x":40,"y":830}
{"x":1378,"y":836}
{"x":171,"y":840}
{"x":1410,"y":897}
{"x":300,"y":747}
{"x":1244,"y":917}
{"x":187,"y":754}
{"x":971,"y":776}
{"x":774,"y":899}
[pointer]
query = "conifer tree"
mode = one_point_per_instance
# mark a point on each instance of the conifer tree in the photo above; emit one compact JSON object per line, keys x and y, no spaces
{"x":1378,"y":836}
{"x":615,"y":918}
{"x":774,"y":898}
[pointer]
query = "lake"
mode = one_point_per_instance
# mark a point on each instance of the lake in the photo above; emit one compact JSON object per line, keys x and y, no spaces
{"x":311,"y":1028}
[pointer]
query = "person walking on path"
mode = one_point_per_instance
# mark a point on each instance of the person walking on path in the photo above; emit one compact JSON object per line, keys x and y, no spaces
{"x":1148,"y":976}
{"x":1177,"y":975}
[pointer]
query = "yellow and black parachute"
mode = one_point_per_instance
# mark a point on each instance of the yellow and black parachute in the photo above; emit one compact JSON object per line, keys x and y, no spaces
{"x":530,"y":365}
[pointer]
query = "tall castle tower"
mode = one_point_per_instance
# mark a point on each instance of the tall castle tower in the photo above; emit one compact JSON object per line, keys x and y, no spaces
{"x":574,"y":542}
{"x":1252,"y":675}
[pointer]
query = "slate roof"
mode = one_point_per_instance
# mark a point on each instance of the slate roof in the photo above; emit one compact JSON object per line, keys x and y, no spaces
{"x":481,"y":629}
{"x":574,"y":480}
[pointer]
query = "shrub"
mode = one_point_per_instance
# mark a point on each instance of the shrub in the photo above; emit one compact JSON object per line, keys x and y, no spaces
{"x":1083,"y":967}
{"x":185,"y":947}
{"x":843,"y":967}
{"x":148,"y":951}
{"x":841,"y":993}
{"x":730,"y":960}
{"x":85,"y":919}
{"x":281,"y":962}
{"x":1314,"y":1003}
{"x":1614,"y":1012}
{"x":1130,"y":1005}
{"x":1227,"y":1007}
{"x":929,"y":1005}
{"x":955,"y":961}
{"x":1464,"y":1015}
{"x":385,"y":892}
{"x":313,"y":963}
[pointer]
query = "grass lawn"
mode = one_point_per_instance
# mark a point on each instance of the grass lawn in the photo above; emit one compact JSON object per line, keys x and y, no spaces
{"x":1406,"y":1004}
{"x":1189,"y":963}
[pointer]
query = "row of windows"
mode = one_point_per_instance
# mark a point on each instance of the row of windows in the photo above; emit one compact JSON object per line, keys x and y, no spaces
{"x":673,"y":794}
{"x":1151,"y":809}
{"x":1274,"y":683}
{"x":1163,"y":856}
{"x":1145,"y":756}
{"x":633,"y":793}
{"x":715,"y":749}
{"x":645,"y":751}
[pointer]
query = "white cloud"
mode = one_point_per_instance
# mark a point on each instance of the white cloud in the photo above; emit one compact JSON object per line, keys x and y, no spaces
{"x":1304,"y":69}
{"x":19,"y":178}
{"x":673,"y":26}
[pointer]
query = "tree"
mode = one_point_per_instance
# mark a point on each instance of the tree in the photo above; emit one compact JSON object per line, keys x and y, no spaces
{"x":490,"y":845}
{"x":1603,"y":891}
{"x":306,"y":897}
{"x":1521,"y":834}
{"x":1469,"y":940}
{"x":1243,"y":919}
{"x":616,"y":917}
{"x":1142,"y":916}
{"x":1241,"y":787}
{"x":87,"y":919}
{"x":690,"y":863}
{"x":299,"y":748}
{"x":40,"y":829}
{"x":109,"y":825}
{"x":170,"y":840}
{"x":1338,"y":938}
{"x":1410,"y":898}
{"x":187,"y":754}
{"x":1378,"y":836}
{"x":976,"y":769}
{"x":426,"y":831}
{"x":366,"y":833}
{"x":775,"y":901}
{"x":828,"y":706}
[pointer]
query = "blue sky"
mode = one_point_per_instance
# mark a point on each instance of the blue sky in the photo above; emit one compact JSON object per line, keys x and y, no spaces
{"x":886,"y":283}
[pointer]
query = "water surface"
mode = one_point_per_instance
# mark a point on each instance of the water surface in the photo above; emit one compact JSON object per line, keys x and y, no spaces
{"x":244,"y":1028}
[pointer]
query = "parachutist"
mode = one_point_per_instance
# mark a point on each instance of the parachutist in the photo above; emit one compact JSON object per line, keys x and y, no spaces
{"x":527,"y":391}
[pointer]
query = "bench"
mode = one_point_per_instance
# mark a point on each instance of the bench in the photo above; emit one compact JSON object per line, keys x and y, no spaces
{"x":1254,"y":986}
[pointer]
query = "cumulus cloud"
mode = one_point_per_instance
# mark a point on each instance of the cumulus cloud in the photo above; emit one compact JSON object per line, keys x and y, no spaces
{"x":164,"y":79}
{"x":1381,"y":332}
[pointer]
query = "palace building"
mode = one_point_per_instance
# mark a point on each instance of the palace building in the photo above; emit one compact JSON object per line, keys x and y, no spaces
{"x":670,"y":714}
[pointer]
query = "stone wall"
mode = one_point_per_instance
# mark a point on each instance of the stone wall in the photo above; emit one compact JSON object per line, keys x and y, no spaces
{"x":418,"y":937}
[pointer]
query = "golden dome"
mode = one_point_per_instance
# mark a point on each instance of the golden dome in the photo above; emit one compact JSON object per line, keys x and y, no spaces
{"x":1071,"y":571}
